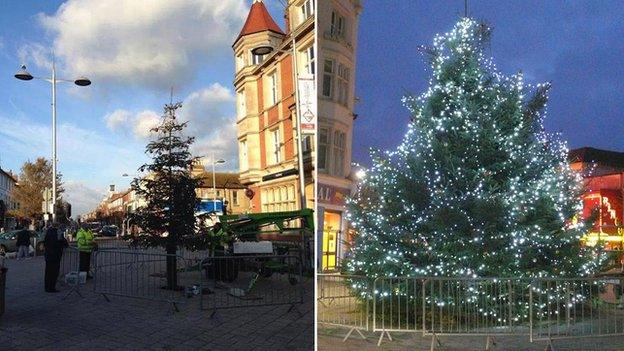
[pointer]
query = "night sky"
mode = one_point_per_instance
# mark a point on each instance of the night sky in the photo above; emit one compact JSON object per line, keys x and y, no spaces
{"x":576,"y":45}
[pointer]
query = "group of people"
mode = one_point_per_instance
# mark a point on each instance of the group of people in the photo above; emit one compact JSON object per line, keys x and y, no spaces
{"x":55,"y":242}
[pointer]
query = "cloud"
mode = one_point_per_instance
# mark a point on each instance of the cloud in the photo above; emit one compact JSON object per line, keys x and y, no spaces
{"x":82,"y":197}
{"x":117,"y":118}
{"x":144,"y":122}
{"x":154,"y":44}
{"x":35,"y":54}
{"x":211,"y":117}
{"x":82,"y":153}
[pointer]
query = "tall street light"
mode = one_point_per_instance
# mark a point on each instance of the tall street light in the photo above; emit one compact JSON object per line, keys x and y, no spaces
{"x":23,"y":74}
{"x":267,"y":49}
{"x":214,"y":181}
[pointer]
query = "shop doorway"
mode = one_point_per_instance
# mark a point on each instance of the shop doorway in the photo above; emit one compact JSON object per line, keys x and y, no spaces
{"x":331,"y":236}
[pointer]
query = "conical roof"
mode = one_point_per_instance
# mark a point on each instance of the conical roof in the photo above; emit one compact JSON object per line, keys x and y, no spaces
{"x":259,"y":20}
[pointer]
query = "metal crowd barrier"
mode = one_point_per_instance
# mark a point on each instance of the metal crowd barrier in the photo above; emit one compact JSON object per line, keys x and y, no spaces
{"x":251,"y":281}
{"x":344,"y":301}
{"x":112,"y":243}
{"x":69,"y":272}
{"x":577,"y":308}
{"x":139,"y":274}
{"x":397,"y":305}
{"x":545,"y":309}
{"x":475,"y":306}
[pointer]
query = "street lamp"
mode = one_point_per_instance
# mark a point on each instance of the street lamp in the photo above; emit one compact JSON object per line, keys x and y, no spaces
{"x":23,"y":74}
{"x":214,"y":181}
{"x":267,"y":49}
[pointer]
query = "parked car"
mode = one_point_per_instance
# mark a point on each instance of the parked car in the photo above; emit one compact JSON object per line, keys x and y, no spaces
{"x":109,"y":230}
{"x":8,"y":241}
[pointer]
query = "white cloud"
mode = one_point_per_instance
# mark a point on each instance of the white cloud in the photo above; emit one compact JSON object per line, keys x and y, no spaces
{"x":82,"y":197}
{"x":82,"y":153}
{"x":210,"y":113}
{"x":155,"y":43}
{"x":117,"y":118}
{"x":34,"y":53}
{"x":144,"y":122}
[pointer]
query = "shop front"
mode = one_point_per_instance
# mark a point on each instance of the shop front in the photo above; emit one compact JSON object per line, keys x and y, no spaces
{"x":332,"y":226}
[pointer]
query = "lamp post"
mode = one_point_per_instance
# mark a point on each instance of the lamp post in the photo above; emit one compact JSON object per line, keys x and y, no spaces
{"x":23,"y":74}
{"x":267,"y":49}
{"x":214,"y":181}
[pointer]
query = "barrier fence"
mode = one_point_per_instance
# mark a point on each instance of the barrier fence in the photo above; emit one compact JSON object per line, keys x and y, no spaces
{"x":337,"y":306}
{"x":397,"y":306}
{"x":543,"y":309}
{"x":69,"y":272}
{"x":138,"y":274}
{"x":250,"y":281}
{"x":572,"y":308}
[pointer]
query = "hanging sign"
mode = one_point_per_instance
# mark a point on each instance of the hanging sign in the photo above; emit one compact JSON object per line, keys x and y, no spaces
{"x":307,"y":103}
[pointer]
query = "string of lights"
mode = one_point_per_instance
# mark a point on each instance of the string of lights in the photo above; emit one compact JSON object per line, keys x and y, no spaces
{"x":477,"y":187}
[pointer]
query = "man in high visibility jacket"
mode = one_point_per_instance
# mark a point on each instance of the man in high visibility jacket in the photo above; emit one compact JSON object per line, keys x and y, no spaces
{"x":85,"y":243}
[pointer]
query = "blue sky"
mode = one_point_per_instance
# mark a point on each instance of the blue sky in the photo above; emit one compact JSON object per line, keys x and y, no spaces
{"x":133,"y":52}
{"x":576,"y":45}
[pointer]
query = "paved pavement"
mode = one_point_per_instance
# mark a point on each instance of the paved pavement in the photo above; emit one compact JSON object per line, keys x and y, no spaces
{"x":35,"y":320}
{"x":331,"y":339}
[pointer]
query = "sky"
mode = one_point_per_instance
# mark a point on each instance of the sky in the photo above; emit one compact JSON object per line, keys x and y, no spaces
{"x":134,"y":52}
{"x":577,"y":45}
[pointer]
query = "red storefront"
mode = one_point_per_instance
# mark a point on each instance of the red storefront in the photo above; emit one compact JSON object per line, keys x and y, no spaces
{"x":603,"y":172}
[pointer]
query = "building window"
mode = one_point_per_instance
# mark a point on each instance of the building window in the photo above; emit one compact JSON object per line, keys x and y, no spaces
{"x":307,"y":144}
{"x":273,"y":88}
{"x":278,"y":198}
{"x":323,"y":143}
{"x":309,"y":60}
{"x":337,"y":25}
{"x":244,"y":161}
{"x":338,"y":153}
{"x":307,"y":9}
{"x":343,"y":84}
{"x":240,"y":97}
{"x":256,"y":59}
{"x":235,"y":197}
{"x":275,"y":142}
{"x":328,"y":76}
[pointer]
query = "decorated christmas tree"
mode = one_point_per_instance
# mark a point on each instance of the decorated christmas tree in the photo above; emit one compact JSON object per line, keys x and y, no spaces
{"x":168,"y":216}
{"x":477,"y":187}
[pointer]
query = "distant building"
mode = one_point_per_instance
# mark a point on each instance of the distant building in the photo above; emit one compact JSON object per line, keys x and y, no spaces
{"x":336,"y":99}
{"x":603,"y":173}
{"x":8,"y":182}
{"x":266,"y":110}
{"x":228,"y":189}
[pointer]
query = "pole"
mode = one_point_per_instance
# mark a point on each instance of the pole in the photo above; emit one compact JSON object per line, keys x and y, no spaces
{"x":214,"y":185}
{"x":299,"y":136}
{"x":53,"y":142}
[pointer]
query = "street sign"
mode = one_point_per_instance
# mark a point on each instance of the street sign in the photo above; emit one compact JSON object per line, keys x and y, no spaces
{"x":208,"y":206}
{"x":307,"y":103}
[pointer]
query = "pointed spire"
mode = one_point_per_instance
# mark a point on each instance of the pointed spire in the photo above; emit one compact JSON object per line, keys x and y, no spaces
{"x":259,"y":20}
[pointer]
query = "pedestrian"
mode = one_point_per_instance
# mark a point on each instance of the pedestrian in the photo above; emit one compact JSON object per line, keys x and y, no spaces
{"x":54,"y":245}
{"x":85,"y":243}
{"x":23,"y":243}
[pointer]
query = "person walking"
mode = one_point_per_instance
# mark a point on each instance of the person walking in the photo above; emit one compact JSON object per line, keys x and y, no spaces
{"x":23,"y":243}
{"x":54,"y":245}
{"x":85,"y":243}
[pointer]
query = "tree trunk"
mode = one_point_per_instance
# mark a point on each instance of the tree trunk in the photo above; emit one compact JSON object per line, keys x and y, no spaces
{"x":172,"y":265}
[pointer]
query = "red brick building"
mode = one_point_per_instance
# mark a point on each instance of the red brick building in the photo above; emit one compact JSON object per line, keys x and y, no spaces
{"x":266,"y":109}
